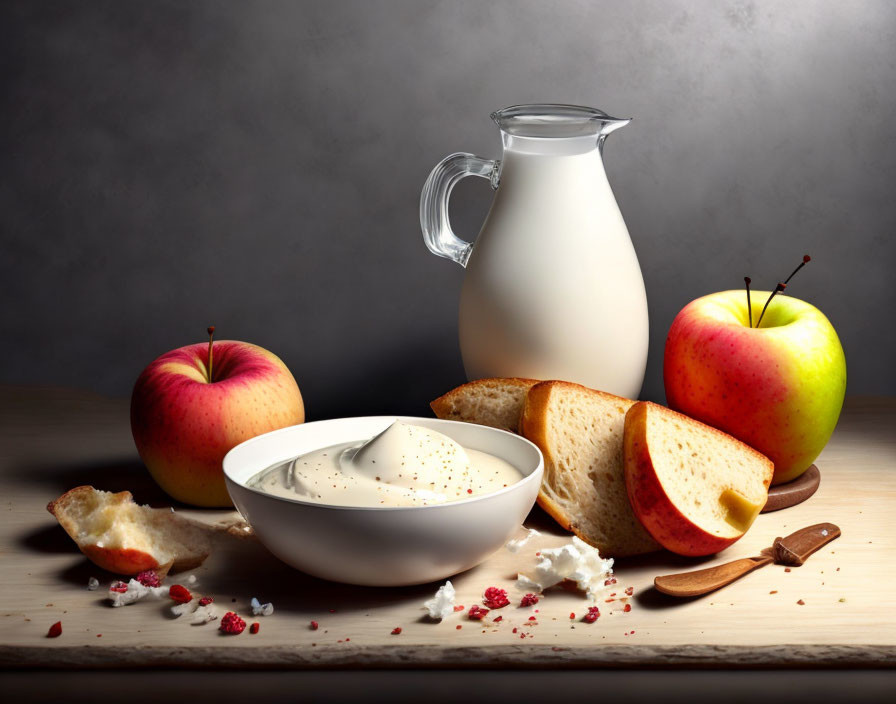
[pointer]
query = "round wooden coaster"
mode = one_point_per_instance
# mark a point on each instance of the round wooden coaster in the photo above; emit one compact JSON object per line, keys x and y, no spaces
{"x":793,"y":492}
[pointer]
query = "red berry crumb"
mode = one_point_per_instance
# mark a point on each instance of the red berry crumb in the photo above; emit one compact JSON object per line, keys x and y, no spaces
{"x":629,"y":590}
{"x":592,"y":615}
{"x":495,"y":598}
{"x":628,"y":607}
{"x":458,"y":626}
{"x":55,"y":630}
{"x":253,"y":629}
{"x":118,"y":586}
{"x":179,"y":593}
{"x":497,"y":618}
{"x":529,"y":600}
{"x":476,"y":613}
{"x":231,"y":624}
{"x":531,"y":618}
{"x":572,"y":615}
{"x":396,"y":630}
{"x":205,"y":601}
{"x":149,"y":578}
{"x":314,"y":625}
{"x":459,"y":607}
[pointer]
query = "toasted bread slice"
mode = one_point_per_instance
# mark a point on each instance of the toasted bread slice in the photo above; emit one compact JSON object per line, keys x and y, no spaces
{"x":579,"y":431}
{"x":494,"y":402}
{"x":123,"y":537}
{"x":695,"y":488}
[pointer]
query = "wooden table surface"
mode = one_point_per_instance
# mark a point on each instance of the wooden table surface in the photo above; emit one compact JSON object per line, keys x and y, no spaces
{"x":53,"y":439}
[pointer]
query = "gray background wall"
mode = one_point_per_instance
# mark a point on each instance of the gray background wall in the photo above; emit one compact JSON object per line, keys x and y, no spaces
{"x":257,"y":165}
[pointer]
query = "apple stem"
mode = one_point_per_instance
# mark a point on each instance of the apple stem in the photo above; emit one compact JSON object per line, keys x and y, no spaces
{"x":806,"y":260}
{"x":781,"y":286}
{"x":747,"y":281}
{"x":211,"y":335}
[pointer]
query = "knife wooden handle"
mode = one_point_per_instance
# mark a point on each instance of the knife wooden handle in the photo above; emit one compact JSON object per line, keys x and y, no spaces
{"x":708,"y":580}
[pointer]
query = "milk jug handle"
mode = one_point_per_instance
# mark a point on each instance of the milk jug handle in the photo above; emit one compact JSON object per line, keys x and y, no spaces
{"x":437,"y":233}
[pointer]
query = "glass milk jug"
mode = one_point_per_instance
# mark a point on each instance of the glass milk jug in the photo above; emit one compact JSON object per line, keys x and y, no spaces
{"x":552,"y":288}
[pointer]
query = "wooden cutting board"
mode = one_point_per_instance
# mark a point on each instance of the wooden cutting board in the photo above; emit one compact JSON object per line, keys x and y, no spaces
{"x":834,"y":610}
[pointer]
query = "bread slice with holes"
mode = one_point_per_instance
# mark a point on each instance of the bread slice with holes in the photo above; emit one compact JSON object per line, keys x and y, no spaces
{"x":695,"y":488}
{"x":494,"y":402}
{"x":123,"y":537}
{"x":580,"y":431}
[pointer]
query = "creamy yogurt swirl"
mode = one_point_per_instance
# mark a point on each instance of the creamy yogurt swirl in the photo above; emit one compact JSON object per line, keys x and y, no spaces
{"x":404,"y":465}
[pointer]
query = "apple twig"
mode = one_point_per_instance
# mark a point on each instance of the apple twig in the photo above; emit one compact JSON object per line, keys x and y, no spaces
{"x":780,"y":287}
{"x":747,"y":281}
{"x":806,"y":260}
{"x":211,"y":335}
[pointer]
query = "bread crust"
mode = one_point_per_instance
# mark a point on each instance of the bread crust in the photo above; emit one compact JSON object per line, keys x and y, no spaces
{"x":444,"y":406}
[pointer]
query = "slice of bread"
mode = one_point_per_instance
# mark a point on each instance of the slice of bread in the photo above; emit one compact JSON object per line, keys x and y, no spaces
{"x":494,"y":402}
{"x":579,"y":431}
{"x":123,"y":537}
{"x":695,"y":488}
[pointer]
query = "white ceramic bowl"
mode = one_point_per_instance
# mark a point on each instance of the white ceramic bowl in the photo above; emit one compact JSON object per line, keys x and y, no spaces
{"x":382,"y":546}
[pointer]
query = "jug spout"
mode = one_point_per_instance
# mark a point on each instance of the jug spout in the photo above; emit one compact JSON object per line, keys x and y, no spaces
{"x":611,"y":124}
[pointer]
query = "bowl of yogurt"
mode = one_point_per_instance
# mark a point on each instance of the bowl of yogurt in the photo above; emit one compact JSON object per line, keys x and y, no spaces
{"x":384,"y":500}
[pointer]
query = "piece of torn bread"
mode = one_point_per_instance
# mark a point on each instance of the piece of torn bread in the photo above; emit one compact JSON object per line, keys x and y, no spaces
{"x":123,"y":537}
{"x":580,"y":433}
{"x":494,"y":402}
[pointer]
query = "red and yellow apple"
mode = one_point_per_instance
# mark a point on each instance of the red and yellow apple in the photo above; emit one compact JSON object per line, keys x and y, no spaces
{"x":185,"y":416}
{"x":695,"y":489}
{"x":778,"y":387}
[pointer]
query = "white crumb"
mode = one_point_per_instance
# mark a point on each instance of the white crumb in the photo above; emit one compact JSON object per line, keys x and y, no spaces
{"x":185,"y":608}
{"x":204,"y":614}
{"x":517,"y":544}
{"x":259,"y":609}
{"x":135,"y":592}
{"x":442,"y":604}
{"x":576,"y":561}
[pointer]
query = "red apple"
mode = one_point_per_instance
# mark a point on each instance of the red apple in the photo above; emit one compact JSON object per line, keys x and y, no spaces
{"x":695,"y":489}
{"x":187,"y":413}
{"x":779,"y":387}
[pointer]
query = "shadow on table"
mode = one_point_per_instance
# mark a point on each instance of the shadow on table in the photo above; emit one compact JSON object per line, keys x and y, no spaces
{"x":117,"y":475}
